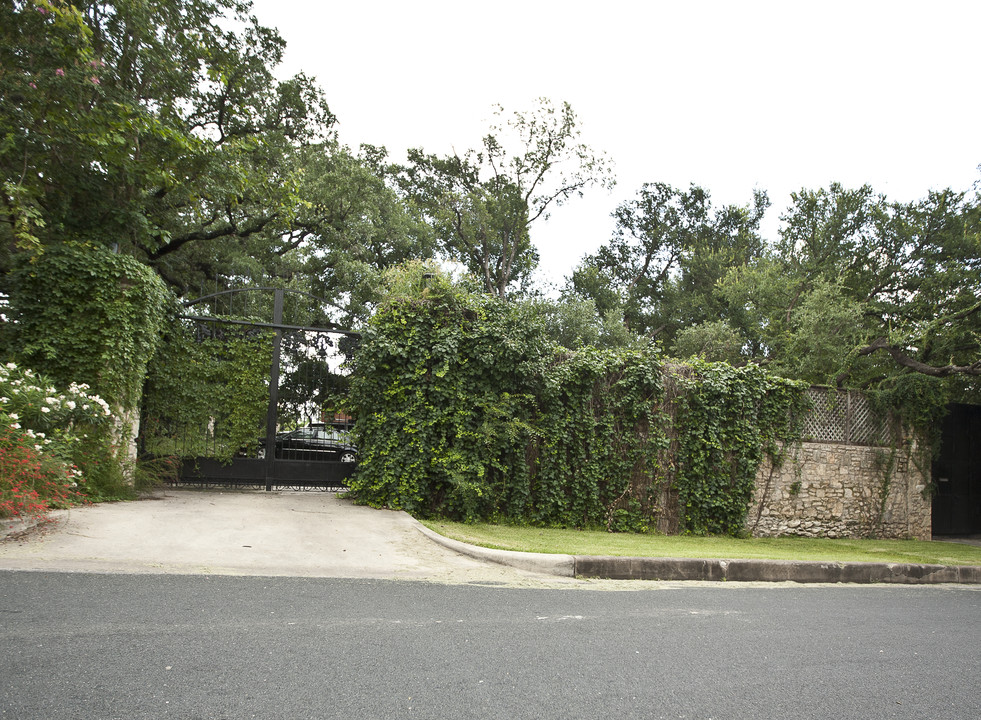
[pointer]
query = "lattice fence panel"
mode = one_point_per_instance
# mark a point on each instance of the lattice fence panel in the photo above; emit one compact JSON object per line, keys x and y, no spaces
{"x":865,"y":425}
{"x":826,"y":421}
{"x":846,"y":417}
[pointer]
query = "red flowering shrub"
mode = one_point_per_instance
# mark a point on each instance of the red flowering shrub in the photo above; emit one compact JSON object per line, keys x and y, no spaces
{"x":45,"y":436}
{"x":32,"y":481}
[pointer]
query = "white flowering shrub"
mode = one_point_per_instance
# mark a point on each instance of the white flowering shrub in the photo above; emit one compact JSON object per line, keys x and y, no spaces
{"x":45,"y":441}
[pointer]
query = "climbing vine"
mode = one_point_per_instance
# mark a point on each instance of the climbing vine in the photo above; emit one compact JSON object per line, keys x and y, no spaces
{"x":443,"y":392}
{"x":466,"y":409}
{"x":206,"y":390}
{"x":730,"y":420}
{"x":84,"y":314}
{"x":600,"y":432}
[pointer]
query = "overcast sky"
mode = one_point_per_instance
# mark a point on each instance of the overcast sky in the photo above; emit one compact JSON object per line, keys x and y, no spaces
{"x":729,"y":95}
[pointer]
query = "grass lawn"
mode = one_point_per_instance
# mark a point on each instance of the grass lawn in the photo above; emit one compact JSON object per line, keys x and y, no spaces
{"x":576,"y":542}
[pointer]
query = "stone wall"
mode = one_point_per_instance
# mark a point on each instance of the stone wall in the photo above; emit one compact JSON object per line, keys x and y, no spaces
{"x":834,"y":490}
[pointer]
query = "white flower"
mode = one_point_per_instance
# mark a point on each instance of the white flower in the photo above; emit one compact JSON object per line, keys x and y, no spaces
{"x":15,"y":426}
{"x":11,"y":366}
{"x":38,"y":448}
{"x":70,"y":404}
{"x":51,"y":400}
{"x":45,"y":409}
{"x":14,"y":416}
{"x":40,"y":435}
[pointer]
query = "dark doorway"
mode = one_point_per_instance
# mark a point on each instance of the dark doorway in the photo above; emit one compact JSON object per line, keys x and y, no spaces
{"x":957,"y":474}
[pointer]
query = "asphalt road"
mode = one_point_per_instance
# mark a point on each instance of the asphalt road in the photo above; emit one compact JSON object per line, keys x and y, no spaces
{"x":128,"y":646}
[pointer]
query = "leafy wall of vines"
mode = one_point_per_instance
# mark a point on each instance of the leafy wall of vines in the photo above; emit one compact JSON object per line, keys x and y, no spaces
{"x":730,"y":420}
{"x":85,"y":314}
{"x":206,"y":390}
{"x":466,"y":409}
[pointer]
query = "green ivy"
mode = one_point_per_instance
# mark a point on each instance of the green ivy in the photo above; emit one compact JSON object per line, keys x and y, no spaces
{"x":84,"y":314}
{"x":443,"y":391}
{"x":730,"y":419}
{"x":916,"y":406}
{"x":206,"y":396}
{"x":600,"y":435}
{"x":466,"y":409}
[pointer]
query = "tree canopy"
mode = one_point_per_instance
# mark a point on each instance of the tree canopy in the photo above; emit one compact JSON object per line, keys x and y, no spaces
{"x":151,"y":126}
{"x":669,"y":249}
{"x":858,"y":285}
{"x":856,"y":290}
{"x":157,"y":128}
{"x":483,"y":203}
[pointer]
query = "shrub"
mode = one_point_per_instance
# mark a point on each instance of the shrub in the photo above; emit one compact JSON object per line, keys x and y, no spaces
{"x":32,"y":481}
{"x":53,"y":443}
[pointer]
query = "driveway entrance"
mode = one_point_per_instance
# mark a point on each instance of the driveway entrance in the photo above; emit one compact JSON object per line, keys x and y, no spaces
{"x":303,"y":534}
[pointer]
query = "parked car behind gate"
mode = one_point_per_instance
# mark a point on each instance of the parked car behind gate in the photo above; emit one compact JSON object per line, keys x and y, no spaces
{"x":317,"y":441}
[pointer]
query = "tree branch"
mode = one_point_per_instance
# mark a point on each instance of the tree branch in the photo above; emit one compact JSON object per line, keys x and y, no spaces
{"x":909,"y":363}
{"x":221,"y":231}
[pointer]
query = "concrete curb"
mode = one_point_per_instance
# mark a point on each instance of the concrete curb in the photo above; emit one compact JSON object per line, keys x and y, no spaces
{"x":633,"y":568}
{"x":543,"y":563}
{"x":672,"y":569}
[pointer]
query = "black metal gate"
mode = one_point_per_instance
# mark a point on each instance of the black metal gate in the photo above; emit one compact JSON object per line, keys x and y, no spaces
{"x":237,"y":428}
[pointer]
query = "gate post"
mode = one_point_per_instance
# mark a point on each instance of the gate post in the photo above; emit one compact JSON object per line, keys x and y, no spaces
{"x":273,"y":407}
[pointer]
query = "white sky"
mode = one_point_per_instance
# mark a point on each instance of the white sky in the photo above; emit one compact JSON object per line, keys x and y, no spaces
{"x":732,"y":95}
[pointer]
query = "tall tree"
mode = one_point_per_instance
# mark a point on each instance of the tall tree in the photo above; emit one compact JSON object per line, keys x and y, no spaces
{"x":483,"y":204}
{"x":150,"y":125}
{"x":669,"y":250}
{"x":350,"y":227}
{"x":859,"y":288}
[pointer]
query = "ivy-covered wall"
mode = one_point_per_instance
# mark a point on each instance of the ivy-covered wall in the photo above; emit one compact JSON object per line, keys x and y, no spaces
{"x":84,"y":316}
{"x":466,"y":409}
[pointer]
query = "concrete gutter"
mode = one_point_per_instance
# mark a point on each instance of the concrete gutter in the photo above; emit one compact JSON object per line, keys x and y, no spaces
{"x":673,"y":569}
{"x":542,"y":563}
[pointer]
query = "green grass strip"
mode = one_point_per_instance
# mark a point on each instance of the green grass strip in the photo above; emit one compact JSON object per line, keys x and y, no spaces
{"x":588,"y":542}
